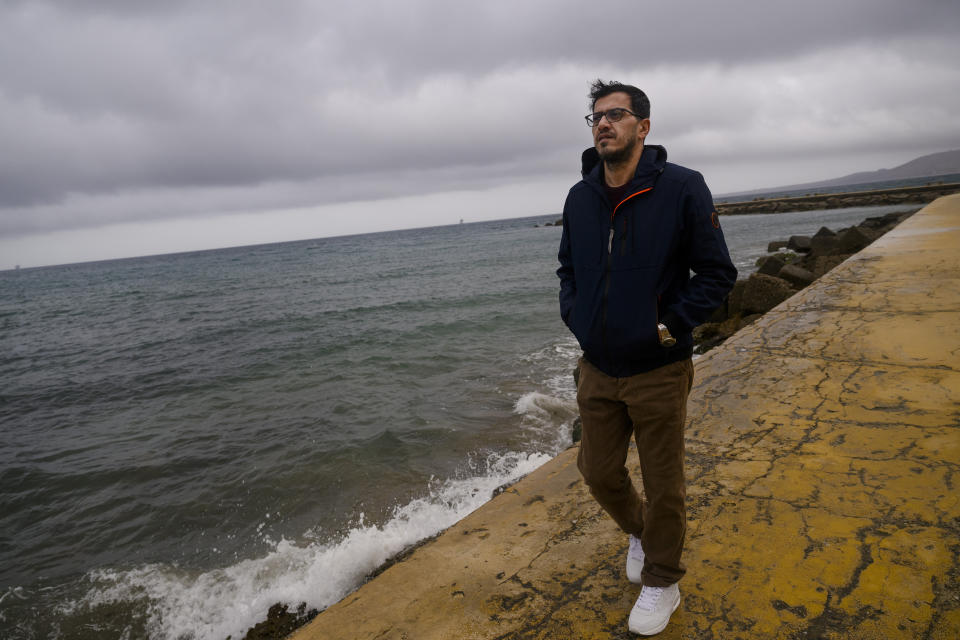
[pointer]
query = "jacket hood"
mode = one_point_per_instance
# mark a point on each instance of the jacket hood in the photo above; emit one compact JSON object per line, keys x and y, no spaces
{"x":652,"y":161}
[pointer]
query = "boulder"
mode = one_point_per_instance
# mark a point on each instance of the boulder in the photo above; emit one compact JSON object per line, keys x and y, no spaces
{"x":800,"y":244}
{"x":823,"y":241}
{"x":770,"y":265}
{"x":720,"y":313}
{"x":882,"y":223}
{"x":854,"y":239}
{"x":822,"y":264}
{"x":706,"y":331}
{"x":796,"y":275}
{"x":776,"y":245}
{"x":709,"y":335}
{"x":824,"y":245}
{"x":763,"y":292}
{"x":873,"y":234}
{"x":735,"y":298}
{"x":877,"y":222}
{"x":281,"y":622}
{"x":729,"y":327}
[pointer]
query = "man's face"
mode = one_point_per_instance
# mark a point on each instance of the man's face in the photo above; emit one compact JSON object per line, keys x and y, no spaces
{"x":616,"y":141}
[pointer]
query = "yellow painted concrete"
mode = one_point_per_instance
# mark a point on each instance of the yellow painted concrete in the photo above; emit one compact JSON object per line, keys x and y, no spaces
{"x":823,"y":458}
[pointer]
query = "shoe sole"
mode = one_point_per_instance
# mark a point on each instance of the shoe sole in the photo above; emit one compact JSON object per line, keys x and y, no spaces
{"x":656,"y":630}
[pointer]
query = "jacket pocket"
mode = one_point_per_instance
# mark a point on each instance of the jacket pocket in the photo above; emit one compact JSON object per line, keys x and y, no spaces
{"x":631,"y":318}
{"x":584,"y":319}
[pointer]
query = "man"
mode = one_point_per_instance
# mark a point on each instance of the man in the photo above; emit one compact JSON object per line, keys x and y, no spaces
{"x":633,"y":229}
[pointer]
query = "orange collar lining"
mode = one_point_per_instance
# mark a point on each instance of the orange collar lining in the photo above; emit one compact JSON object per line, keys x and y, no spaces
{"x":627,"y":198}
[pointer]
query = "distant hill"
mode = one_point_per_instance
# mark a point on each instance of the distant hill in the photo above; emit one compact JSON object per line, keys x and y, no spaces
{"x":934,"y":164}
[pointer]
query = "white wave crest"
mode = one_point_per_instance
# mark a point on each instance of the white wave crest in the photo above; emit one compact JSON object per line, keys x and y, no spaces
{"x":541,"y":404}
{"x":226,"y":602}
{"x":556,"y":362}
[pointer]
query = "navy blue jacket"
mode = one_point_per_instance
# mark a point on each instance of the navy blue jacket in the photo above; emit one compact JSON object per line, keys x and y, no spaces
{"x":626,"y":266}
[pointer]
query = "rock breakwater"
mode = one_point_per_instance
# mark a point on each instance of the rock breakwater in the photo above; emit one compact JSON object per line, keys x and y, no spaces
{"x":815,"y":201}
{"x":791,"y":265}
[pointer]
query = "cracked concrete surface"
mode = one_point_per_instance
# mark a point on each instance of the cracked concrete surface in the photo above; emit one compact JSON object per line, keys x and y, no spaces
{"x":823,"y":450}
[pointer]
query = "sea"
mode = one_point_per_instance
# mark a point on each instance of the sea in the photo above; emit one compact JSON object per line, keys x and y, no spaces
{"x":187,"y":439}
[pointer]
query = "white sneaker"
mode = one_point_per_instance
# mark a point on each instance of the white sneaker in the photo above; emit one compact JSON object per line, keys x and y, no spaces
{"x":652,"y":611}
{"x":635,"y":558}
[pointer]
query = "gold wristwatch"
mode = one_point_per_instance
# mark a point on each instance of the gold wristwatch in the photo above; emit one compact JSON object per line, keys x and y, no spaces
{"x":666,"y":340}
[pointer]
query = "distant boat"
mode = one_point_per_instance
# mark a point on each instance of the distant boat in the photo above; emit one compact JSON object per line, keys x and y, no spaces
{"x":461,"y":220}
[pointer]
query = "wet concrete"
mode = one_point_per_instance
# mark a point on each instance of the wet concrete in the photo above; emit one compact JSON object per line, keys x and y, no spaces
{"x":823,"y":453}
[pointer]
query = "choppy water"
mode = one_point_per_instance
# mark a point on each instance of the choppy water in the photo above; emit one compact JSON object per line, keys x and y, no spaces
{"x":188,"y":439}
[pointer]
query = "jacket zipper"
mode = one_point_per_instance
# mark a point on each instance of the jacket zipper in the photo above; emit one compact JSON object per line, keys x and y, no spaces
{"x":606,"y":275}
{"x":606,"y":290}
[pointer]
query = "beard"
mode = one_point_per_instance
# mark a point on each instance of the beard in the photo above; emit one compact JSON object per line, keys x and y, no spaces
{"x":618,"y":156}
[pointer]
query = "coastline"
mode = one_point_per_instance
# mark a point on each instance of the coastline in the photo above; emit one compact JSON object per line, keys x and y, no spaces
{"x":843,"y":440}
{"x":282,"y":619}
{"x":901,"y":195}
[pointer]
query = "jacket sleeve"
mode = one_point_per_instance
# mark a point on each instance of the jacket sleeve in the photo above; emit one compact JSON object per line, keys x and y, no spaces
{"x":705,"y":251}
{"x":568,"y":283}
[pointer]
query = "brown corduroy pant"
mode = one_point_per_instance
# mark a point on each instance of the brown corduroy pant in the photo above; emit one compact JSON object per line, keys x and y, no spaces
{"x":651,"y":407}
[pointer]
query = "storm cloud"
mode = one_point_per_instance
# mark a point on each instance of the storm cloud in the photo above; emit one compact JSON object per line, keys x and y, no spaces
{"x":121,"y":112}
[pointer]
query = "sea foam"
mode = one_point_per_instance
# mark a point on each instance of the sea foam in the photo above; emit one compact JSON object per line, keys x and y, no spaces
{"x":228,"y":601}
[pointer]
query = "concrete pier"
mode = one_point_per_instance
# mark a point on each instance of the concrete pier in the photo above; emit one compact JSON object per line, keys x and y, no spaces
{"x":823,"y":470}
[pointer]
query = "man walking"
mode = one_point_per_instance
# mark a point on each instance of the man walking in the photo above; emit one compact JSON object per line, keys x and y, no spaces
{"x":633,"y":230}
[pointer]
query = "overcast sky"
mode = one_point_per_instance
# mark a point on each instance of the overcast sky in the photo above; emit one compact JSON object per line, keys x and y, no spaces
{"x":139,"y":127}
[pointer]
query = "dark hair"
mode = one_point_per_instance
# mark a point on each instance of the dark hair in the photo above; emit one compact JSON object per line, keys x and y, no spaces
{"x":639,"y":102}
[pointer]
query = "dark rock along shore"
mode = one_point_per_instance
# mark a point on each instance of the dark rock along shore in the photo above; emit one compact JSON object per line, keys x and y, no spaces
{"x":792,"y":265}
{"x":902,"y":195}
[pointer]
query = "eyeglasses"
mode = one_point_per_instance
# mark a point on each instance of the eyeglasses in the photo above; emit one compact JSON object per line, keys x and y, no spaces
{"x":613,"y":115}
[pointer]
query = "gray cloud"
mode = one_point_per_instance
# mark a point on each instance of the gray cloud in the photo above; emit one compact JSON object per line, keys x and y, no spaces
{"x":115,"y":111}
